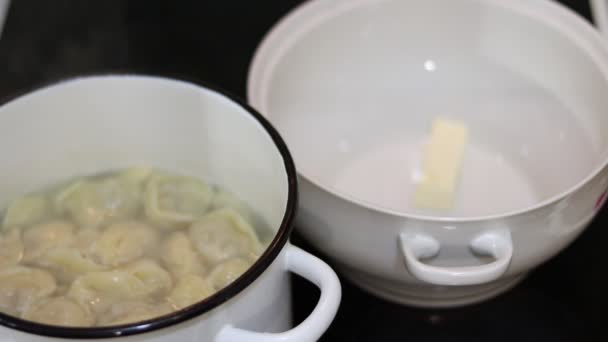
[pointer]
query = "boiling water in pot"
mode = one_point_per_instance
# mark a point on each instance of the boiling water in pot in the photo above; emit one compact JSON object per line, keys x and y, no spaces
{"x":122,"y":246}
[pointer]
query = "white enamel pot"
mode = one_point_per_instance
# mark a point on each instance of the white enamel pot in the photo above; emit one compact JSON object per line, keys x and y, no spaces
{"x":353,"y":87}
{"x":91,"y":124}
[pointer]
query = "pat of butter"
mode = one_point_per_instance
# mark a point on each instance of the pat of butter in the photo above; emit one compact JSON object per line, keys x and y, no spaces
{"x":441,"y":165}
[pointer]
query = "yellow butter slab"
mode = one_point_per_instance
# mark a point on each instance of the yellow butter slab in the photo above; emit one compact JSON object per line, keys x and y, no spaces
{"x":442,"y":162}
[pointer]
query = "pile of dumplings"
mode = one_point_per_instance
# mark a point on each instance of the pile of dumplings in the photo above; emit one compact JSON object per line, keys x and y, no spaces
{"x":122,"y":247}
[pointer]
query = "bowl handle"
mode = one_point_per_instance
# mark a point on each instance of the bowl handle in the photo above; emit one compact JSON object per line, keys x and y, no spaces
{"x":311,"y":329}
{"x":416,"y":246}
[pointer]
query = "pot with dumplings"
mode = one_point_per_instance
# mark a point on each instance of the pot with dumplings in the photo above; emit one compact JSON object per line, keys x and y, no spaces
{"x":148,"y":208}
{"x":445,"y":148}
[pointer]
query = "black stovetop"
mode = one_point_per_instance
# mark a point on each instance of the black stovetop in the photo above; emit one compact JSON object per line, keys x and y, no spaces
{"x":214,"y":40}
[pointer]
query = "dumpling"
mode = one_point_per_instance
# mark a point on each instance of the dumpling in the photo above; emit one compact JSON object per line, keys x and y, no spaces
{"x":155,"y":279}
{"x":26,"y":211}
{"x":132,"y":311}
{"x":91,"y":203}
{"x":224,"y":234}
{"x":21,"y":286}
{"x":99,"y":290}
{"x":44,"y":236}
{"x":190,"y":289}
{"x":140,"y":280}
{"x":11,"y":248}
{"x":67,"y":263}
{"x":224,"y":199}
{"x":123,"y":242}
{"x":135,"y":175}
{"x":80,"y":203}
{"x":226,"y":272}
{"x":59,"y":311}
{"x":179,"y":256}
{"x":173,"y":201}
{"x":85,"y":238}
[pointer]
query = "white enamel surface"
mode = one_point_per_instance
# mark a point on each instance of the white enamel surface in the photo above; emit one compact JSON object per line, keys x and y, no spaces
{"x":95,"y":124}
{"x":314,"y":326}
{"x":353,"y":87}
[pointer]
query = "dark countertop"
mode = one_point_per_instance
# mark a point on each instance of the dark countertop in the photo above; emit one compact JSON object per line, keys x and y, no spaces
{"x":563,"y":300}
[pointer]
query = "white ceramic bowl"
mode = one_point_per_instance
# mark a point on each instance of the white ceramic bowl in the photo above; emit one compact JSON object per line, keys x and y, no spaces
{"x":93,"y":124}
{"x":353,"y":85}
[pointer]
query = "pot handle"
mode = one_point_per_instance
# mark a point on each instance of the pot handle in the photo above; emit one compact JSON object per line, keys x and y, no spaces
{"x":316,"y":271}
{"x":416,"y":246}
